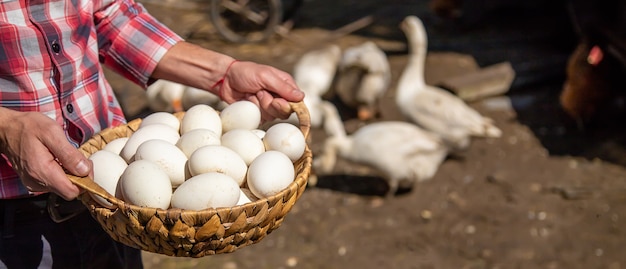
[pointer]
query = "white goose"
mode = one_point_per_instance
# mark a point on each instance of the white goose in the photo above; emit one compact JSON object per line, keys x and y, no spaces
{"x":194,"y":96}
{"x":363,"y":77}
{"x":169,"y":96}
{"x":314,"y":73}
{"x":166,"y":96}
{"x":403,"y":152}
{"x":431,"y":107}
{"x":315,"y":70}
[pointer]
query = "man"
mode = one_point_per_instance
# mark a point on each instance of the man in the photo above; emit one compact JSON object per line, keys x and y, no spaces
{"x":54,"y":97}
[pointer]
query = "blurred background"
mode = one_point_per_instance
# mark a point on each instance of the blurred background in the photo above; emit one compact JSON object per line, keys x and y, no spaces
{"x":549,"y":193}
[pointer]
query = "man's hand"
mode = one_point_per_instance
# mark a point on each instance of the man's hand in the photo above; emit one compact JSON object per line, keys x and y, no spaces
{"x":271,"y":89}
{"x":38,"y":150}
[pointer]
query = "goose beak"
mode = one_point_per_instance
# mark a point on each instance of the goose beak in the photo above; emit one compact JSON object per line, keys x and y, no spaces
{"x":365,"y":114}
{"x":177,"y":105}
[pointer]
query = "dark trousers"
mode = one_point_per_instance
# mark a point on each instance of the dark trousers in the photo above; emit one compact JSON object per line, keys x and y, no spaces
{"x":79,"y":242}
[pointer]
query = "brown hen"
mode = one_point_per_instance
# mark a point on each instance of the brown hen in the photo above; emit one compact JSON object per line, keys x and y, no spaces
{"x":589,"y":83}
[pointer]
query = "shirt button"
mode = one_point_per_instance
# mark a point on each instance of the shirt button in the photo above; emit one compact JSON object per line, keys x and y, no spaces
{"x":70,"y":108}
{"x":56,"y":47}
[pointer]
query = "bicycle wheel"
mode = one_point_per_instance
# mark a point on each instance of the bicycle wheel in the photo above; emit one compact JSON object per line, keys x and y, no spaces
{"x":246,"y":21}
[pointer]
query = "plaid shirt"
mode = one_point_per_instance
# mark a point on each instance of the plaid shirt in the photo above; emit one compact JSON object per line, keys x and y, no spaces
{"x":50,"y":61}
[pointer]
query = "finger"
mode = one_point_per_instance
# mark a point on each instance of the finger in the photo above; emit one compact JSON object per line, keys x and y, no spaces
{"x":252,"y":98}
{"x":50,"y":176}
{"x":67,"y":155}
{"x":60,"y":184}
{"x":226,"y":93}
{"x":264,"y":99}
{"x":276,"y":107}
{"x":284,"y":86}
{"x":282,"y":107}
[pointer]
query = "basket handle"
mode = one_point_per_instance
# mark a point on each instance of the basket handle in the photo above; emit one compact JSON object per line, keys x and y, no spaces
{"x":303,"y":116}
{"x":91,"y":186}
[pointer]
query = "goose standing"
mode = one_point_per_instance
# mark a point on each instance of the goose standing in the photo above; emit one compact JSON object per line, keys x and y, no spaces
{"x":403,"y":152}
{"x":433,"y":108}
{"x":314,"y":73}
{"x":315,"y":70}
{"x":363,"y":78}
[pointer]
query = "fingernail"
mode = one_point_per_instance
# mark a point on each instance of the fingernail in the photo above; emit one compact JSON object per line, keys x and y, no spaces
{"x":298,"y":94}
{"x":82,"y":168}
{"x":279,"y":107}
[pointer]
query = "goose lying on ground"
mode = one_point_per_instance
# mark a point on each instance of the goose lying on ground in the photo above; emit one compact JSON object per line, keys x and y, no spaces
{"x":403,"y":152}
{"x":363,"y":77}
{"x":169,"y":96}
{"x":433,"y":108}
{"x":194,"y":96}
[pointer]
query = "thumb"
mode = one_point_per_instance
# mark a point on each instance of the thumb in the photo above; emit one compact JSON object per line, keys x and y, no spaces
{"x":69,"y":157}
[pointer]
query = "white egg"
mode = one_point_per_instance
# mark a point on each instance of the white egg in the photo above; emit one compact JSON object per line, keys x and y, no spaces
{"x":107,"y":169}
{"x":161,"y":118}
{"x":240,"y":115}
{"x":286,"y":138}
{"x":143,"y":183}
{"x":208,"y":190}
{"x":197,"y":138}
{"x":216,"y":158}
{"x":153,"y":131}
{"x":116,"y":145}
{"x":245,"y":143}
{"x":258,"y":132}
{"x":246,"y":196}
{"x":201,"y":117}
{"x":270,"y":173}
{"x":169,"y":157}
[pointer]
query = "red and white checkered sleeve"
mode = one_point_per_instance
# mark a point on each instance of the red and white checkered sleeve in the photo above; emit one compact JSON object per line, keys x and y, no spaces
{"x":131,"y":41}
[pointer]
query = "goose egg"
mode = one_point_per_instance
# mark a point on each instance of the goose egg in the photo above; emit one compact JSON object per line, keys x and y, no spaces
{"x":143,"y":183}
{"x":161,"y":118}
{"x":246,"y":196}
{"x":152,"y":131}
{"x":208,"y":190}
{"x":169,"y":157}
{"x":197,"y":138}
{"x":107,"y":169}
{"x":270,"y":173}
{"x":258,"y":132}
{"x":217,"y":158}
{"x":286,"y":138}
{"x":240,"y":115}
{"x":116,"y":145}
{"x":245,"y":143}
{"x":201,"y":117}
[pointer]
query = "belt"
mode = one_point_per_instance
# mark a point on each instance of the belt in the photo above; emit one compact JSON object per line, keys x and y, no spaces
{"x":22,"y":210}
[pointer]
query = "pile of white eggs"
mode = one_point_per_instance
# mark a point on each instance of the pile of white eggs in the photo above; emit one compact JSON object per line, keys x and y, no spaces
{"x":204,"y":160}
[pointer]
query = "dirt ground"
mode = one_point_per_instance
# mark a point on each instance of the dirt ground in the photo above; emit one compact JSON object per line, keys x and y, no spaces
{"x":544,"y":195}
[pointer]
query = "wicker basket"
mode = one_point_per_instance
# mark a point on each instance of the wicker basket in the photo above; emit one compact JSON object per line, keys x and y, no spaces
{"x":187,"y":233}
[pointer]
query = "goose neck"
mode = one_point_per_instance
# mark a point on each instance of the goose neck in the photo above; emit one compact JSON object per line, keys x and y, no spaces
{"x":412,"y":78}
